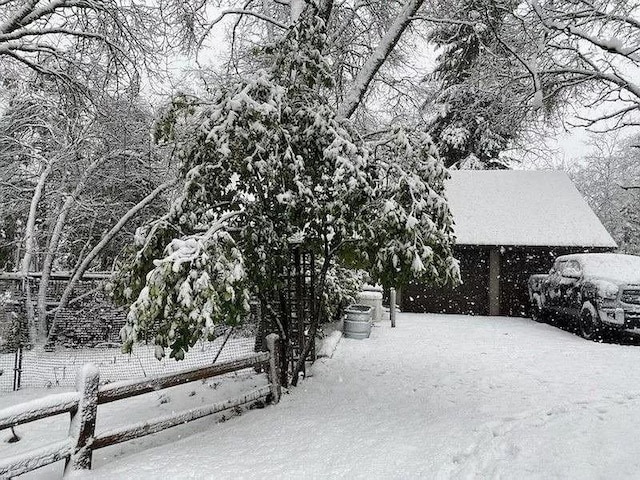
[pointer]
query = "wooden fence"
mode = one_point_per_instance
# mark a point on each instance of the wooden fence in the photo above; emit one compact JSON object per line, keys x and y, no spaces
{"x":82,"y":404}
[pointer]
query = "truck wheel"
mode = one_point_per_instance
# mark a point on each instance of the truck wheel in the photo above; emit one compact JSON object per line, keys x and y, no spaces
{"x":590,"y":327}
{"x":537,"y":312}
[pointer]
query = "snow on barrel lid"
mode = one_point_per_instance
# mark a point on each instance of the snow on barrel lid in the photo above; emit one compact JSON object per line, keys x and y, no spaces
{"x":522,"y":207}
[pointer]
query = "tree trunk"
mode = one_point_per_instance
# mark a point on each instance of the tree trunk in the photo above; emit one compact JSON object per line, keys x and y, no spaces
{"x":377,"y":59}
{"x":29,"y":242}
{"x":52,"y":249}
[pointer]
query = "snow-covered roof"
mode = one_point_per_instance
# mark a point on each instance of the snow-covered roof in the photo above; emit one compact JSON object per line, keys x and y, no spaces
{"x":517,"y":207}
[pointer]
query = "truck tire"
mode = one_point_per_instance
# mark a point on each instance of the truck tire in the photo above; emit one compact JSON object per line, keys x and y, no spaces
{"x":589,"y":325}
{"x":537,"y":312}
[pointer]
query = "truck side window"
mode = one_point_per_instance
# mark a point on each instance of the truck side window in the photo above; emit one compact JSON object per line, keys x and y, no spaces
{"x":557,"y":267}
{"x":572,"y":269}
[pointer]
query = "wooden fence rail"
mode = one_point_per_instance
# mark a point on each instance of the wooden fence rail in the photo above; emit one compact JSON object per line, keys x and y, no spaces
{"x":36,"y":458}
{"x":127,"y":389}
{"x":119,"y":435}
{"x":37,"y":409}
{"x":82,"y":404}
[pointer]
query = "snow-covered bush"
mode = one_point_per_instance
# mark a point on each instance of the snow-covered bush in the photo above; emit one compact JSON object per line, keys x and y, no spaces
{"x":198,"y":284}
{"x":265,"y":161}
{"x":410,"y":228}
{"x":341,"y":288}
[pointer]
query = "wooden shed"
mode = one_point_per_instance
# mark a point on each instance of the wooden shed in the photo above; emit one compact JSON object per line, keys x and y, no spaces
{"x":509,"y":224}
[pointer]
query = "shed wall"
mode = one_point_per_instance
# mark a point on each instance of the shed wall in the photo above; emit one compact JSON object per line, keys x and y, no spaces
{"x":469,"y":298}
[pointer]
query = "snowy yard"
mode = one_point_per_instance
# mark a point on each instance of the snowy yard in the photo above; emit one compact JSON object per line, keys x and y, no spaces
{"x":437,"y":397}
{"x":170,"y":166}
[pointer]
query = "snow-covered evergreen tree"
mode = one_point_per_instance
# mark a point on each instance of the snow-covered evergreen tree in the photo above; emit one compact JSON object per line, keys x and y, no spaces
{"x":478,"y":114}
{"x":267,"y":162}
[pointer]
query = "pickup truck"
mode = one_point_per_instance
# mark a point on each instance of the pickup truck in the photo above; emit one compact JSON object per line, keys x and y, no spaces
{"x":595,"y":291}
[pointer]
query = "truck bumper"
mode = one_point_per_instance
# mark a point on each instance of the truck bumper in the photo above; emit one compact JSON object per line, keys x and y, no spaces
{"x":620,"y":318}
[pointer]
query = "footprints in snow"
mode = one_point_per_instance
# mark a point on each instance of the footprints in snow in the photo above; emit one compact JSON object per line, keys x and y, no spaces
{"x":497,"y":442}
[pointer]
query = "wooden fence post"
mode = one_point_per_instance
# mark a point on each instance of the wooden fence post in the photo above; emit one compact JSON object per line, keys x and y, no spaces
{"x":83,"y":419}
{"x":392,"y":307}
{"x":273,"y":345}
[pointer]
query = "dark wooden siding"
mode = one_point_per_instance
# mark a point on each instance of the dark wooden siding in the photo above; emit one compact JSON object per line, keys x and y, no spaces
{"x":472,"y":297}
{"x":516,"y":265}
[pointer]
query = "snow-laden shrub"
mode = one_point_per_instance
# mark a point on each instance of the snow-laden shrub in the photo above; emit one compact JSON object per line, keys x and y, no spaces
{"x":410,"y":228}
{"x":341,"y":288}
{"x":266,"y":161}
{"x":197,"y":285}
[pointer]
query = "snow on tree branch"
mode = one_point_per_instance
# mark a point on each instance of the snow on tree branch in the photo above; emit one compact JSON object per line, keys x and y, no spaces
{"x":271,"y":147}
{"x":592,"y":44}
{"x":65,"y":39}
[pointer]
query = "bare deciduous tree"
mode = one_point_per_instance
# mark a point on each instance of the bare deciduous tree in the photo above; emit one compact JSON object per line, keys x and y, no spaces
{"x":609,"y":179}
{"x":83,"y":175}
{"x":588,"y":51}
{"x":70,"y":40}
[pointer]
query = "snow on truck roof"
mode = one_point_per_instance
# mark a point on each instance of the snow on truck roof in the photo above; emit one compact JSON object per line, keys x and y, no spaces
{"x":625,"y":268}
{"x":522,"y":207}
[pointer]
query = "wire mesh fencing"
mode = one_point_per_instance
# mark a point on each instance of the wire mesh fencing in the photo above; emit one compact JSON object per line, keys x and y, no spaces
{"x":88,"y":332}
{"x":39,"y":368}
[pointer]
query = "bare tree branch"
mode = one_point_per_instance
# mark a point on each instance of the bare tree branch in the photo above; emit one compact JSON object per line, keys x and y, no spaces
{"x":240,"y":12}
{"x":376,"y":60}
{"x":91,"y":256}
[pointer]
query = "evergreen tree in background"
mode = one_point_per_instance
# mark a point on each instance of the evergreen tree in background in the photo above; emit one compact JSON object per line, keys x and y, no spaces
{"x":477,"y":116}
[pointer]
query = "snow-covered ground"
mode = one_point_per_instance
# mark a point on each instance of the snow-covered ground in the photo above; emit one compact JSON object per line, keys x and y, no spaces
{"x":124,"y":413}
{"x":437,"y":397}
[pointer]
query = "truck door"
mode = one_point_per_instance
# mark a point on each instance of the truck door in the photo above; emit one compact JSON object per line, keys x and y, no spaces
{"x":551,"y":290}
{"x":569,"y":286}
